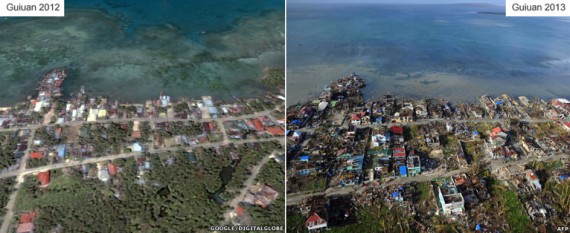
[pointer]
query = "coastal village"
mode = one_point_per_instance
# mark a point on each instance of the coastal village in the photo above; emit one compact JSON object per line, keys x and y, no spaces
{"x":391,"y":164}
{"x":56,"y":130}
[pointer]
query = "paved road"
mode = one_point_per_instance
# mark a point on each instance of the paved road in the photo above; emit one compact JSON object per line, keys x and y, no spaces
{"x":295,"y":199}
{"x":254,"y":171}
{"x":150,"y":120}
{"x":123,"y":155}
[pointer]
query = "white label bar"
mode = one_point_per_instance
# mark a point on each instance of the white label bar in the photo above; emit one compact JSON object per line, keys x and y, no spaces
{"x":32,"y":8}
{"x":538,"y":8}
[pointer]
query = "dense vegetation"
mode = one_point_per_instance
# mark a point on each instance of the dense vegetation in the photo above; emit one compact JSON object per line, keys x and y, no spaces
{"x":47,"y":136}
{"x":105,"y":139}
{"x":517,"y":218}
{"x":6,"y":188}
{"x":175,"y":196}
{"x":8,"y":145}
{"x":295,"y":221}
{"x":33,"y":163}
{"x":181,"y":128}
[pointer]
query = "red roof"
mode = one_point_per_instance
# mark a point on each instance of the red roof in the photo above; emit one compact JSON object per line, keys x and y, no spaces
{"x":257,"y":124}
{"x":212,"y":125}
{"x":136,"y":134}
{"x":239,"y":210}
{"x":397,"y":130}
{"x":275,"y":131}
{"x":112,"y":169}
{"x":36,"y":155}
{"x":496,"y":130}
{"x":399,"y":152}
{"x":203,"y":139}
{"x":28,"y":217}
{"x":567,"y":124}
{"x":356,"y":117}
{"x":44,"y":178}
{"x":25,"y":228}
{"x":315,"y":219}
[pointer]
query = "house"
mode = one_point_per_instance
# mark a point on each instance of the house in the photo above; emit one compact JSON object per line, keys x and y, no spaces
{"x":532,"y":178}
{"x":238,"y":211}
{"x":112,"y":168}
{"x":275,"y":131}
{"x":102,"y":114}
{"x":136,"y":147}
{"x":60,"y":150}
{"x":103,"y":174}
{"x":92,"y":114}
{"x":403,"y":171}
{"x":414,"y":164}
{"x":450,"y":200}
{"x":44,"y":178}
{"x":315,"y":222}
{"x":257,"y":124}
{"x":378,"y":140}
{"x":37,"y":155}
{"x":356,"y":119}
{"x":399,"y":153}
{"x":58,"y":131}
{"x":26,"y":224}
{"x":496,"y":131}
{"x":397,"y":130}
{"x":136,"y":130}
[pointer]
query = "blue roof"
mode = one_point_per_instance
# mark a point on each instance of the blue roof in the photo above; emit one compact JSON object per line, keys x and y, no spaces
{"x":499,"y":102}
{"x":294,"y":122}
{"x":475,"y":133}
{"x":403,"y":170}
{"x":304,"y":172}
{"x":478,"y":227}
{"x":305,"y":158}
{"x":395,"y":194}
{"x":360,"y":160}
{"x":61,"y":151}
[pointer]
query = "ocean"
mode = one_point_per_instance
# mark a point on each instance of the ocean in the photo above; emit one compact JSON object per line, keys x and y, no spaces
{"x":456,"y":52}
{"x":133,"y":50}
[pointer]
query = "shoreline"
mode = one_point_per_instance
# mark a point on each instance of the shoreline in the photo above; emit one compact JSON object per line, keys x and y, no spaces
{"x":50,"y":106}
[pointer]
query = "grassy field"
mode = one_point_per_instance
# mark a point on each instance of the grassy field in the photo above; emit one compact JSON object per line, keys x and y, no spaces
{"x":517,"y":218}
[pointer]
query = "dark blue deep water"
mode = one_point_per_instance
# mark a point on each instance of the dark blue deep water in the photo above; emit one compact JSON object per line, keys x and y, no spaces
{"x":452,"y":51}
{"x":193,"y":17}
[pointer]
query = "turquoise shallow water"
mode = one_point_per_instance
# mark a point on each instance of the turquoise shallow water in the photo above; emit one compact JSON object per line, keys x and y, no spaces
{"x":447,"y":51}
{"x":132,"y":50}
